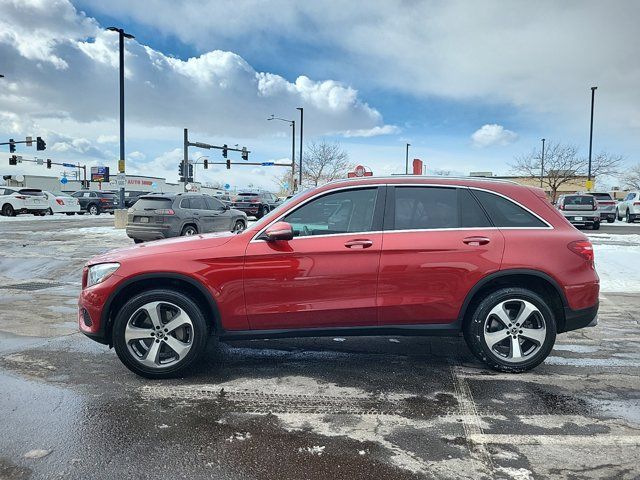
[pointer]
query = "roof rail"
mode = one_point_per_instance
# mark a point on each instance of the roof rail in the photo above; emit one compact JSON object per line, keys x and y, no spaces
{"x":439,"y":177}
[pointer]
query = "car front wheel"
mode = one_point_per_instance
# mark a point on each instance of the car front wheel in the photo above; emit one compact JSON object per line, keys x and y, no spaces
{"x":160,"y":333}
{"x":239,"y":226}
{"x":628,"y":218}
{"x":93,"y":210}
{"x":8,"y":211}
{"x":189,"y":230}
{"x":511,"y":330}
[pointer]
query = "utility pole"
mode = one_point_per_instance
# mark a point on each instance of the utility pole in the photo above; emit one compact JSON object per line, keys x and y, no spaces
{"x":301,"y":137}
{"x":293,"y":148}
{"x":121,"y":162}
{"x":406,"y":160}
{"x":542,"y":164}
{"x":185,"y":160}
{"x":593,"y":94}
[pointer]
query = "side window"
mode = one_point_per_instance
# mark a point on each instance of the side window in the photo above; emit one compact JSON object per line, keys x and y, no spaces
{"x":86,"y":194}
{"x":471,"y":213}
{"x":504,"y":213}
{"x":197,"y":203}
{"x":418,"y":208}
{"x":185,"y":203}
{"x":76,"y":194}
{"x":213,"y":204}
{"x":348,"y":211}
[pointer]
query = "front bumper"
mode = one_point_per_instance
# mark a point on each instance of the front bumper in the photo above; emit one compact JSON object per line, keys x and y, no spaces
{"x":91,"y":304}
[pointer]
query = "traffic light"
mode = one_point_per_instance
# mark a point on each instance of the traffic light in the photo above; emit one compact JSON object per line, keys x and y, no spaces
{"x":206,"y":163}
{"x":40,"y":144}
{"x":190,"y":172}
{"x":181,"y":169}
{"x":13,"y":160}
{"x":12,"y":146}
{"x":245,"y":153}
{"x":48,"y":163}
{"x":228,"y":164}
{"x":224,"y":151}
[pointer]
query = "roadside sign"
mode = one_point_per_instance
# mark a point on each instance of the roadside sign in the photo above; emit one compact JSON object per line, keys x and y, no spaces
{"x":69,"y":165}
{"x":589,"y":184}
{"x":64,"y":180}
{"x":154,"y":185}
{"x":39,"y":161}
{"x":121,"y":166}
{"x":100,"y":174}
{"x":359,"y":171}
{"x":121,"y":180}
{"x":227,"y":186}
{"x":267,"y":164}
{"x":29,"y":141}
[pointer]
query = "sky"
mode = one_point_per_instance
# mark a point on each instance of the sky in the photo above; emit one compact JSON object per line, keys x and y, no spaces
{"x":470,"y":85}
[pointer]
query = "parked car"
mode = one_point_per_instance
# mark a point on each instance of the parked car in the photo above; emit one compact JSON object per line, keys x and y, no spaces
{"x":580,"y":209}
{"x":61,"y":203}
{"x":374,"y":256}
{"x":629,"y":208}
{"x":255,"y":203}
{"x":130,"y":197}
{"x":96,"y":202}
{"x":15,"y":200}
{"x":160,"y":216}
{"x":606,"y":205}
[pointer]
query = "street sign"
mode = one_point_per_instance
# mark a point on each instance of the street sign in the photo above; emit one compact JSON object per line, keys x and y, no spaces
{"x":39,"y":161}
{"x":227,"y":186}
{"x":154,"y":185}
{"x":63,"y":180}
{"x":359,"y":171}
{"x":69,"y":165}
{"x":121,"y":180}
{"x":121,"y":166}
{"x":29,"y":141}
{"x":267,"y":164}
{"x":589,"y":184}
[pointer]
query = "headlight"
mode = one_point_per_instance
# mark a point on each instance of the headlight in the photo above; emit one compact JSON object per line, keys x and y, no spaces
{"x":99,"y":273}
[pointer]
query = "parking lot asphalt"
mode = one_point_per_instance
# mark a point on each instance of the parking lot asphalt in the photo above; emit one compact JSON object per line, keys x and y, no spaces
{"x":378,"y":407}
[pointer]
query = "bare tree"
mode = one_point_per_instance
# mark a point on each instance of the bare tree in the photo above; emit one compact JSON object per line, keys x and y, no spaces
{"x":283,"y":182}
{"x":562,"y":164}
{"x":324,"y":162}
{"x":632,"y":179}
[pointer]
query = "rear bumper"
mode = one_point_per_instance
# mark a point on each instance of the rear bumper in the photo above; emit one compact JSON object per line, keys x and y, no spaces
{"x":147,"y":234}
{"x":575,"y":319}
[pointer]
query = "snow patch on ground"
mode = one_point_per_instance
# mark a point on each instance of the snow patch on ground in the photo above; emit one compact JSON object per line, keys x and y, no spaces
{"x":618,"y":267}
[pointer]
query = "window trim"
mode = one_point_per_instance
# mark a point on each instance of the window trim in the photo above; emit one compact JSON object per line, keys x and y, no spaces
{"x":378,"y":212}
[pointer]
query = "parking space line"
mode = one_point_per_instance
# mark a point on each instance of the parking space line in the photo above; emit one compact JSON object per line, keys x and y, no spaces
{"x":568,"y":440}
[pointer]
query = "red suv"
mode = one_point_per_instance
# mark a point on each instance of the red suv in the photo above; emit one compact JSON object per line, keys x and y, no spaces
{"x":378,"y":256}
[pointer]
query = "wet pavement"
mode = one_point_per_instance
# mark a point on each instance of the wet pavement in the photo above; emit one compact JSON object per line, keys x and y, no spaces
{"x":379,"y":407}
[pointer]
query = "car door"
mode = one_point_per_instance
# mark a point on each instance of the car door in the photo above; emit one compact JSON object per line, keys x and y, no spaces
{"x":220,"y":216}
{"x":438,"y":243}
{"x":326,"y":275}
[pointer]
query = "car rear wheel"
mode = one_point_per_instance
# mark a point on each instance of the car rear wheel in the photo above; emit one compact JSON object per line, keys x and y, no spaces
{"x":627,"y":217}
{"x":93,"y":209}
{"x":49,"y":212}
{"x":239,"y":226}
{"x":189,"y":230}
{"x":511,"y":330}
{"x":137,"y":240}
{"x":160,"y":333}
{"x":596,"y":226}
{"x":611,"y":220}
{"x":8,"y":211}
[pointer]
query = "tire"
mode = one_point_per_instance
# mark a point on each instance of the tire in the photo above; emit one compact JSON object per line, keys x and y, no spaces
{"x":93,"y":209}
{"x":188,"y":231}
{"x":262,"y":212}
{"x":618,"y":216}
{"x":81,"y":213}
{"x":8,"y":211}
{"x":484,"y":324}
{"x":239,"y":226}
{"x":596,"y":226}
{"x":71,"y":213}
{"x":137,"y":240}
{"x":610,"y":220}
{"x":627,"y":217}
{"x":133,"y":347}
{"x":49,"y":212}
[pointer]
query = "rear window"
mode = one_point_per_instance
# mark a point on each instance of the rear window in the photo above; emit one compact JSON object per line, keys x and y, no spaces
{"x":505,"y":213}
{"x":602,"y":196}
{"x":31,"y":191}
{"x":579,"y":200}
{"x":248,"y":194}
{"x":153,"y":203}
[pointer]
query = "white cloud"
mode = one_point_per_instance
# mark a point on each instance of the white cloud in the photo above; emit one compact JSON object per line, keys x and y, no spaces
{"x":372,"y":132}
{"x":492,"y":134}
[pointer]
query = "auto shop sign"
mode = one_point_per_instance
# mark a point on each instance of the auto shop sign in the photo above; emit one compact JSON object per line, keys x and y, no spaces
{"x":360,"y":171}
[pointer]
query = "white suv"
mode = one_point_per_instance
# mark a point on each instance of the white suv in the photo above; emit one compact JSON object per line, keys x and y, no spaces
{"x":22,"y":200}
{"x":629,"y":208}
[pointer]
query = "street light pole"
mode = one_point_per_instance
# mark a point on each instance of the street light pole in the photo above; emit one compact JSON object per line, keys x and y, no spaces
{"x":593,"y":94}
{"x":293,"y":147}
{"x":301,"y":134}
{"x":542,"y":164}
{"x":121,"y":163}
{"x":406,"y":160}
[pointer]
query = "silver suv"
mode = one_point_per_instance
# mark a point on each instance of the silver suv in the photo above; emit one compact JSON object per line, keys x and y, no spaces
{"x":157,"y":216}
{"x":629,"y":208}
{"x":606,"y":205}
{"x":580,"y":210}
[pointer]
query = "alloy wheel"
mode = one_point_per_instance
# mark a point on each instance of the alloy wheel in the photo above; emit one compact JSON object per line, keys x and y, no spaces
{"x":159,"y":334}
{"x":515,"y":330}
{"x":189,"y":231}
{"x":239,"y":226}
{"x":93,"y":210}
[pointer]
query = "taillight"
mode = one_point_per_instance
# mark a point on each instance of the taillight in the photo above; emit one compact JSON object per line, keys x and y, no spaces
{"x":560,"y":207}
{"x":165,"y":211}
{"x":582,"y":248}
{"x":636,"y":204}
{"x":59,"y":202}
{"x":21,"y":197}
{"x":105,"y":200}
{"x":595,"y":206}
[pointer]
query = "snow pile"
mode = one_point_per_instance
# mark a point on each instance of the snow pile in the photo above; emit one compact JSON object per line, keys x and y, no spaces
{"x":618,"y":267}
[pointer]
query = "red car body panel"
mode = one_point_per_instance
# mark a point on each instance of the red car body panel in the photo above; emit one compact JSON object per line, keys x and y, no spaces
{"x":403,"y":278}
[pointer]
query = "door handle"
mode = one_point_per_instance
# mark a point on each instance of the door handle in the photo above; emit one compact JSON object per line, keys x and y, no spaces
{"x":476,"y":241}
{"x":358,"y":244}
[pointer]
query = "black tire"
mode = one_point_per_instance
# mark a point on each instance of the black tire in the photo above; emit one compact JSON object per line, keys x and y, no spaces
{"x":239,"y":226}
{"x":71,"y":213}
{"x":199,"y":340}
{"x":81,"y":213}
{"x":189,"y":230}
{"x":628,"y":218}
{"x":93,"y":209}
{"x":596,"y":226}
{"x":618,"y":216}
{"x":137,"y":240}
{"x":262,"y":211}
{"x":49,"y":212}
{"x":474,"y":330}
{"x":611,"y":220}
{"x":8,"y":211}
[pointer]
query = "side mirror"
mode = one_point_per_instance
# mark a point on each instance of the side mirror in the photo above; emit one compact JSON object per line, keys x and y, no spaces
{"x":227,"y":207}
{"x":279,"y":231}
